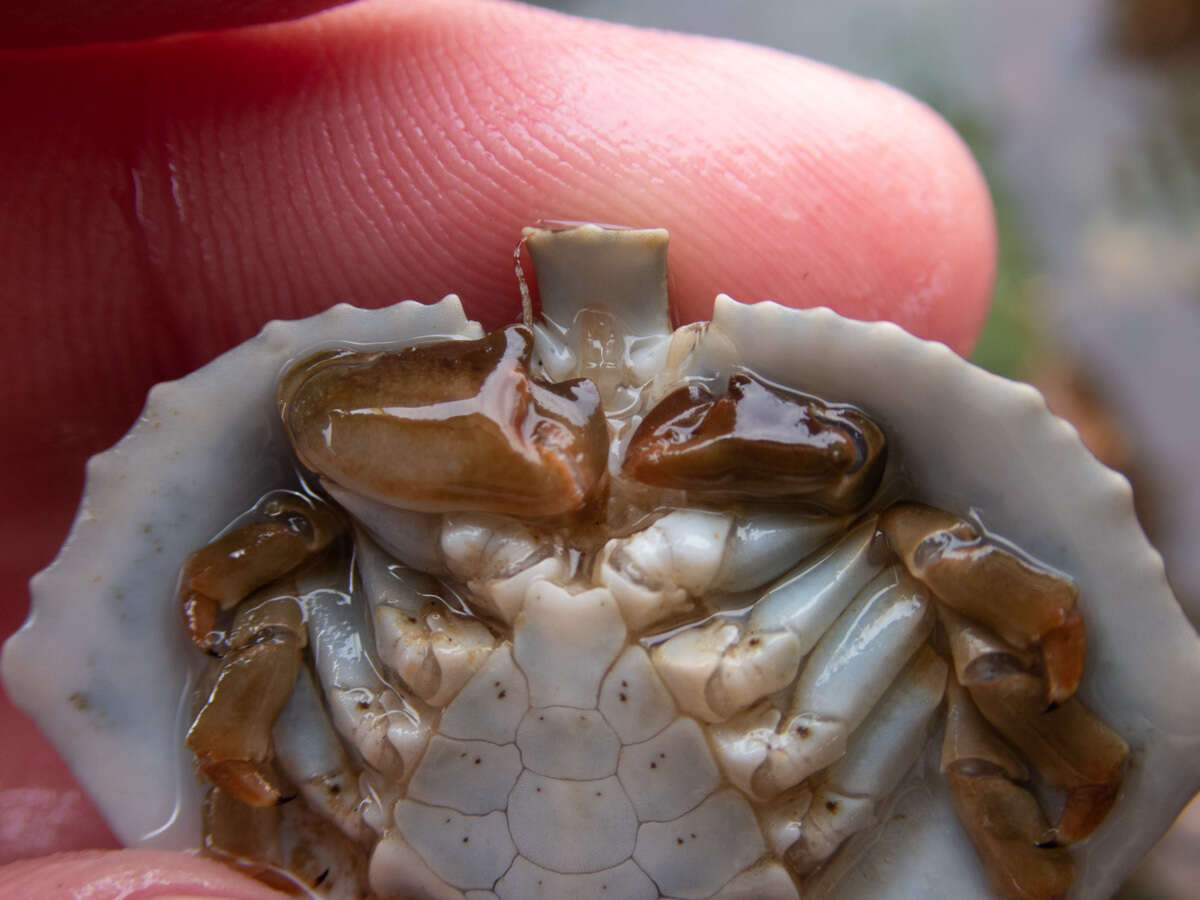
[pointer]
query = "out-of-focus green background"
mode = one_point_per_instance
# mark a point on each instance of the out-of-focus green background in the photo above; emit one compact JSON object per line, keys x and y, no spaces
{"x":1085,"y":117}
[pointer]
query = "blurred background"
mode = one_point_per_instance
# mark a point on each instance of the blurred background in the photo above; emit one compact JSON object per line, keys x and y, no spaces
{"x":1085,"y":117}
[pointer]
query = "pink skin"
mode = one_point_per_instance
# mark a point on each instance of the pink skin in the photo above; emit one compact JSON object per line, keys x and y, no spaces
{"x":161,"y":200}
{"x":127,"y":875}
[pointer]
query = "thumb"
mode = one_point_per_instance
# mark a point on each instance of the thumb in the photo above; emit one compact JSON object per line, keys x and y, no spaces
{"x":127,"y":874}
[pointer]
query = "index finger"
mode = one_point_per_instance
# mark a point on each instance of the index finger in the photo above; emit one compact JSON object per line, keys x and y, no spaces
{"x":164,"y":200}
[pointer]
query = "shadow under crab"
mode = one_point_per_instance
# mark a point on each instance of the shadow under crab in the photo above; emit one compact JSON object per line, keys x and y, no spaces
{"x":917,"y":391}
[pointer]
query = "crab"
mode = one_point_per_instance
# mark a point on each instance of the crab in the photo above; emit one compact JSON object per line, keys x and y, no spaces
{"x":593,"y":607}
{"x":554,"y":711}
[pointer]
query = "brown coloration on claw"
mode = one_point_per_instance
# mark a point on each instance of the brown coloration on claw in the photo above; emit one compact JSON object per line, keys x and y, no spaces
{"x":231,"y":735}
{"x":1001,"y":817}
{"x":243,"y":833}
{"x":969,"y":737}
{"x":1026,"y":604}
{"x":456,"y":425}
{"x":758,"y":442}
{"x":1063,"y":652}
{"x":218,"y":576}
{"x":1068,"y":745}
{"x":285,"y":847}
{"x":1072,"y":748}
{"x":1003,"y":821}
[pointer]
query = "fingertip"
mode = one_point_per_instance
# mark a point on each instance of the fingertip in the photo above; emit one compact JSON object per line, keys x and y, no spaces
{"x":914,"y":241}
{"x":383,"y":151}
{"x":942,"y":231}
{"x":114,"y":874}
{"x":841,"y":192}
{"x":778,"y":177}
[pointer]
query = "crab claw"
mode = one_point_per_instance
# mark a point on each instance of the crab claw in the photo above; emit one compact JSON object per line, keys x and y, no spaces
{"x":1025,"y":603}
{"x":1000,"y":816}
{"x":221,"y":574}
{"x":1068,"y":745}
{"x":760,"y":443}
{"x":451,"y":426}
{"x":231,"y":735}
{"x":240,"y":832}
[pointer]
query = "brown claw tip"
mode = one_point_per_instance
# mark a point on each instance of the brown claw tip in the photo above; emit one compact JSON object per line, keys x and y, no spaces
{"x":1063,"y":651}
{"x":1086,"y":808}
{"x":1022,"y":600}
{"x":199,"y":616}
{"x":245,"y":780}
{"x":1003,"y":822}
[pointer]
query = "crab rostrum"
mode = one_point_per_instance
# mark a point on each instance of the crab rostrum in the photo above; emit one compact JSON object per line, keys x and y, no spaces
{"x":582,"y":609}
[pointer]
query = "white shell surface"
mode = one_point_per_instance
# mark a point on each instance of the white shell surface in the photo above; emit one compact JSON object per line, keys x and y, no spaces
{"x":670,"y":773}
{"x":544,"y":813}
{"x":525,"y":881}
{"x":970,"y":442}
{"x":466,"y":851}
{"x":709,"y":845}
{"x":473,"y":777}
{"x":491,"y":705}
{"x":565,"y":742}
{"x":566,"y":642}
{"x":633,"y":699}
{"x":205,"y":446}
{"x":975,"y":443}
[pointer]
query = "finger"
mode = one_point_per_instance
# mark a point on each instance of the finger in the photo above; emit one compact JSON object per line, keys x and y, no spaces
{"x":166,"y":200}
{"x":115,"y":875}
{"x":42,"y":808}
{"x":57,"y":23}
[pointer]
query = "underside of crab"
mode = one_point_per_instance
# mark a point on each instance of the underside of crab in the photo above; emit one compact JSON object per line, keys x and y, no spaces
{"x":776,"y":605}
{"x":584,"y":607}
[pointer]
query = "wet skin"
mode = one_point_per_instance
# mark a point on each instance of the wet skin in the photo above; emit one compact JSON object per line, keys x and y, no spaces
{"x":160,"y":200}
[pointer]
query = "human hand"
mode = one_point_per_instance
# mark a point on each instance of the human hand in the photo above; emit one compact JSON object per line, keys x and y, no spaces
{"x":161,"y":200}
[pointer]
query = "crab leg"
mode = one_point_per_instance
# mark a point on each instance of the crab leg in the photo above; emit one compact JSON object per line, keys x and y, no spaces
{"x":846,"y":674}
{"x":221,"y":574}
{"x":496,"y":557}
{"x":1068,"y":745}
{"x":231,"y":735}
{"x":311,"y":755}
{"x":720,"y":669}
{"x":714,"y":672}
{"x":808,"y":600}
{"x":426,"y":643}
{"x":661,"y":570}
{"x":1024,"y":603}
{"x":409,"y":536}
{"x":1000,"y":816}
{"x":881,"y":751}
{"x":377,"y":719}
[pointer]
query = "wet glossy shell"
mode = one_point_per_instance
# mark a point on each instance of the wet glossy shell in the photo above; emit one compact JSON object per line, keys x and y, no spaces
{"x":113,"y":700}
